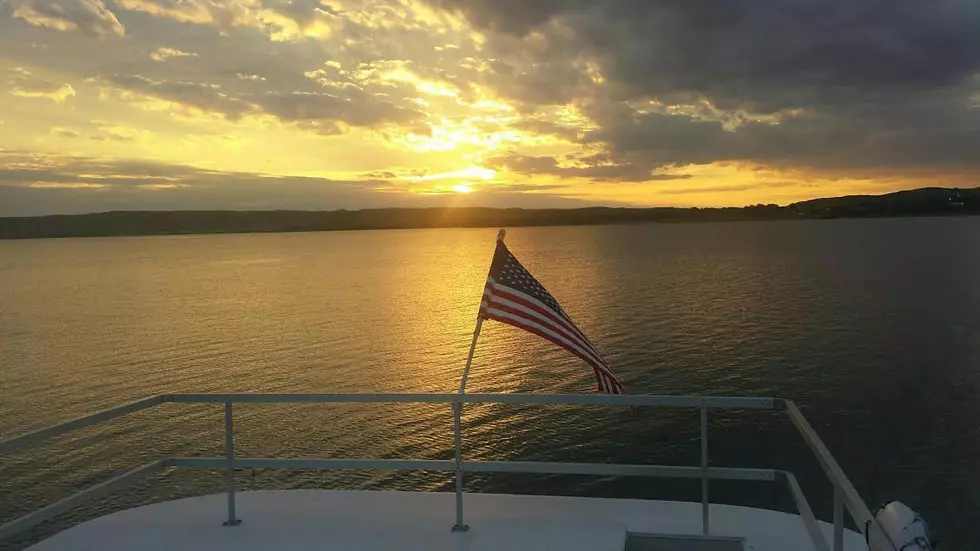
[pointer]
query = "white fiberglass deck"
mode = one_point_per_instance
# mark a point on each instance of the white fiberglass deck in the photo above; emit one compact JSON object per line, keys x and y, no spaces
{"x":355,"y":520}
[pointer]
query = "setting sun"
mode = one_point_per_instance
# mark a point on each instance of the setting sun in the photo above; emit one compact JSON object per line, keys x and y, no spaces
{"x":462,"y":188}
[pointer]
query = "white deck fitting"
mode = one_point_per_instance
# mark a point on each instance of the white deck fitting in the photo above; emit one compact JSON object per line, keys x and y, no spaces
{"x":289,"y":520}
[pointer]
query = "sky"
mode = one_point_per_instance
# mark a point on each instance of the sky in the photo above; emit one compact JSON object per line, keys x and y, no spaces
{"x":320,"y":105}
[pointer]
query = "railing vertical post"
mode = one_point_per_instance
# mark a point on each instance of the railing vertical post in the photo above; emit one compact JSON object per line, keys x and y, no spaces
{"x":838,"y":519}
{"x":230,"y":470}
{"x":460,"y":526}
{"x":704,"y":470}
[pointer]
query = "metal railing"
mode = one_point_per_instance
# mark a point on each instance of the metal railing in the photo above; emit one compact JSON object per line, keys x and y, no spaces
{"x":845,"y":496}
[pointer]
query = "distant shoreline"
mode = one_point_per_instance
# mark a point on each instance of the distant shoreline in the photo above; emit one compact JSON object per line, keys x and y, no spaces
{"x":913,"y":203}
{"x":178,"y":233}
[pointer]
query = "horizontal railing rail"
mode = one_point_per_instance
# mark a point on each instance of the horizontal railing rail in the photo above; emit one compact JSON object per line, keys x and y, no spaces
{"x":475,"y":398}
{"x":845,"y":496}
{"x":529,"y":467}
{"x":40,"y":435}
{"x":44,"y":513}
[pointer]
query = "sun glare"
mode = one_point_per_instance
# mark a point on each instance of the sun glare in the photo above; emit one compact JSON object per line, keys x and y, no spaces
{"x":471,"y":172}
{"x":462,"y":188}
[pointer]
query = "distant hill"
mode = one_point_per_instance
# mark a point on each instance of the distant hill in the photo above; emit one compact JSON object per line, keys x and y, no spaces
{"x":919,"y":202}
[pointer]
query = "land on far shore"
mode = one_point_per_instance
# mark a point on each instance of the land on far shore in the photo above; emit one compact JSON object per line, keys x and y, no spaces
{"x":917,"y":202}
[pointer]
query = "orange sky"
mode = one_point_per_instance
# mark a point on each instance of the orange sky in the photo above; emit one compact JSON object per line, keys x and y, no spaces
{"x":271,"y":104}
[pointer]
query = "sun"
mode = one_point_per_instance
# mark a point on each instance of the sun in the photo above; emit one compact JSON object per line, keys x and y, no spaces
{"x":462,"y":188}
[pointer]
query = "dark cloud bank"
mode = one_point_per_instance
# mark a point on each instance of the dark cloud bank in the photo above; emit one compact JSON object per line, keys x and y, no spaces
{"x":868,"y":86}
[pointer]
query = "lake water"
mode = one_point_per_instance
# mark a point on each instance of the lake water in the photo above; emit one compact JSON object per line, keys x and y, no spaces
{"x":872,"y":326}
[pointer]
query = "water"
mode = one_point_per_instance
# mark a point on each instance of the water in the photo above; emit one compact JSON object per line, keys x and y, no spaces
{"x":872,"y":326}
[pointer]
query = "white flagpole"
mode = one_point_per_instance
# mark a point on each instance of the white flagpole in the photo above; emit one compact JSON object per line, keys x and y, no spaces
{"x":476,"y":335}
{"x":460,"y":526}
{"x":469,"y":359}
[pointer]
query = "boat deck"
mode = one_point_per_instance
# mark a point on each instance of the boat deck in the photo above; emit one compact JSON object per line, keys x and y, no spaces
{"x":289,"y":520}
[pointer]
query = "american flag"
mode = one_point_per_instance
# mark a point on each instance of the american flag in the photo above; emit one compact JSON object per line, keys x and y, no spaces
{"x":514,"y":297}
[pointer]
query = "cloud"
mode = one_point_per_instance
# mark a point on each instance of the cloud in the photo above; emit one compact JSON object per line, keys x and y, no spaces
{"x":662,"y":140}
{"x":100,"y":133}
{"x":65,"y":185}
{"x":317,"y":111}
{"x":35,"y":184}
{"x":820,"y":84}
{"x":769,"y":53}
{"x":281,"y":20}
{"x":599,"y":169}
{"x":24,"y":84}
{"x":204,"y":97}
{"x":511,"y":17}
{"x":545,"y":127}
{"x":538,"y":81}
{"x":238,"y":74}
{"x":163,"y":53}
{"x":864,"y":139}
{"x":90,"y":17}
{"x":379,"y":175}
{"x":117,"y":133}
{"x":53,"y":91}
{"x":221,"y":13}
{"x":65,"y":132}
{"x":300,"y":18}
{"x":355,"y":108}
{"x":734,"y":188}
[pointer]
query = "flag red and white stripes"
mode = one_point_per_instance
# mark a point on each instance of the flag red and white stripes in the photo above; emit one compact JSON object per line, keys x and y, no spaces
{"x":513,"y":296}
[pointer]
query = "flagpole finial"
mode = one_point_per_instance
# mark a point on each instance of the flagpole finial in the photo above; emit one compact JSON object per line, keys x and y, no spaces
{"x":501,"y":234}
